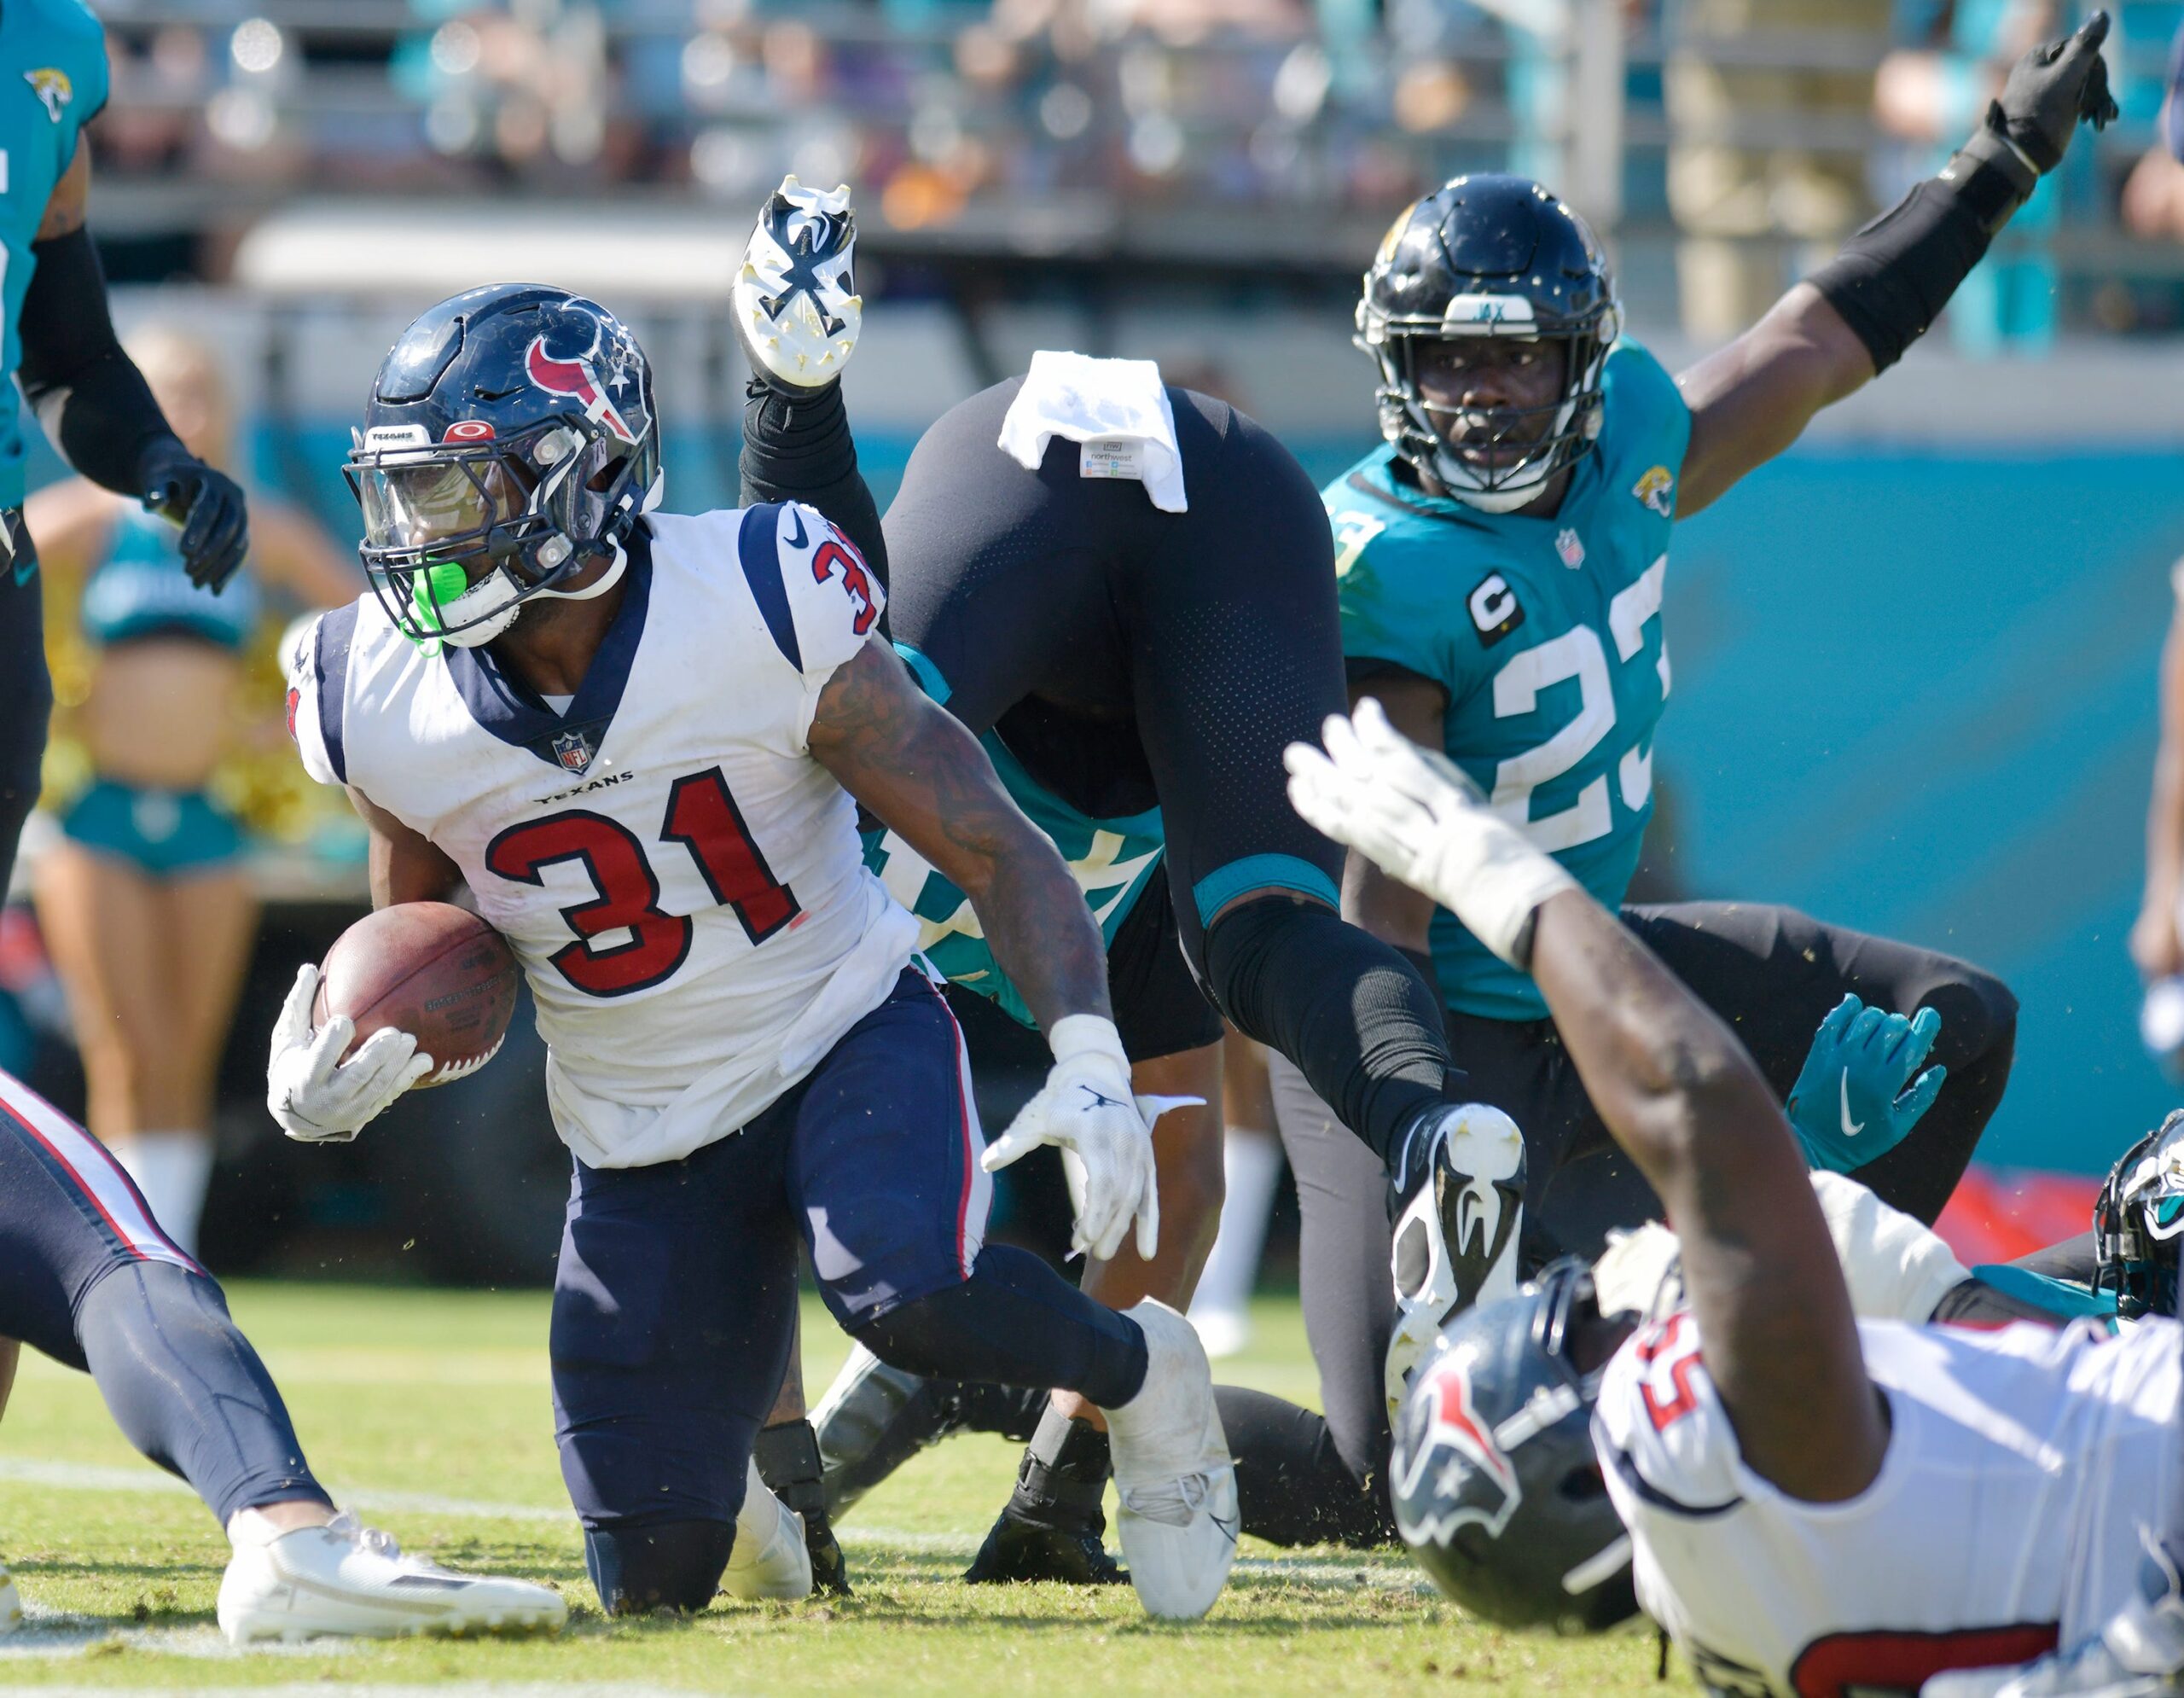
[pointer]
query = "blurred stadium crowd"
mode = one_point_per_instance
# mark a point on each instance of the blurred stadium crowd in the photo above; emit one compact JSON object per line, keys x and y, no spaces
{"x":1751,"y":134}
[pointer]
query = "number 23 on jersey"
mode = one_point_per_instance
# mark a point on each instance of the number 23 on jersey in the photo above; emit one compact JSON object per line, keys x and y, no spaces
{"x":1577,"y":654}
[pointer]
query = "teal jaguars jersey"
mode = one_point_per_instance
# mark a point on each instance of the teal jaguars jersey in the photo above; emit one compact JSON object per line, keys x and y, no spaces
{"x":53,"y":81}
{"x":1111,"y":858}
{"x":1547,"y":635}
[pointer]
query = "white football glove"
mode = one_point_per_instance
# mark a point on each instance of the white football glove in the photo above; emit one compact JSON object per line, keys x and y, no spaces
{"x":1415,"y":815}
{"x":1895,"y":1269}
{"x":1105,"y":1135}
{"x":315,"y":1096}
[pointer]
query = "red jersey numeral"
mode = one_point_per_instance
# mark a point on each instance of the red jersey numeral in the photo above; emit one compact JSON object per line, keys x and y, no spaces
{"x":628,"y":899}
{"x":702,"y":816}
{"x":1669,"y":1355}
{"x":855,"y":578}
{"x":1854,"y":1665}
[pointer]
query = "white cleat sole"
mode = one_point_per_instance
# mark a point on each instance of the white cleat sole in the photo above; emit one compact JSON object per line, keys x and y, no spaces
{"x":265,"y":1628}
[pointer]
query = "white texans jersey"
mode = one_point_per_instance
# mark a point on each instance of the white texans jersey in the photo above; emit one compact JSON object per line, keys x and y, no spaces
{"x":2021,"y":1465}
{"x":681,"y":882}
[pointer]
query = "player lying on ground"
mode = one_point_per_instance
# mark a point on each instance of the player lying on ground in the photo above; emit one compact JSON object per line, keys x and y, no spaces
{"x":87,"y":1277}
{"x":636,"y":737}
{"x":1134,"y":627}
{"x":1815,"y":1505}
{"x":1502,"y":563}
{"x":1897,"y":1269}
{"x":85,"y":391}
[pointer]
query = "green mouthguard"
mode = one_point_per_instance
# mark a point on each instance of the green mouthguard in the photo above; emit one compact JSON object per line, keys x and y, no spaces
{"x":432,"y":588}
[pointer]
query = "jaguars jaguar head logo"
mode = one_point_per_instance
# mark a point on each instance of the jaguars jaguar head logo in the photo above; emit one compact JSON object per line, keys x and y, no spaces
{"x":53,"y":90}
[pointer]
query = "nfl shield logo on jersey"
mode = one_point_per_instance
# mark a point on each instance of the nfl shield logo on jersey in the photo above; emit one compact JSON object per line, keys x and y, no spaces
{"x":573,"y":750}
{"x":1571,"y":546}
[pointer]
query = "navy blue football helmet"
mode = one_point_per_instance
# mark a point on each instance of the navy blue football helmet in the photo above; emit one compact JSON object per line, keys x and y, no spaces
{"x":1490,"y":255}
{"x":510,"y":438}
{"x":1497,"y":1490}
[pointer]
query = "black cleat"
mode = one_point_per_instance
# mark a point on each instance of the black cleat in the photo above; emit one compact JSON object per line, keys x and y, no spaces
{"x":787,"y":1456}
{"x":874,"y":1418}
{"x":1052,"y":1527}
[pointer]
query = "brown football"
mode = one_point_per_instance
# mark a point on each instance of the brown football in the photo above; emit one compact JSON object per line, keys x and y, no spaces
{"x":431,"y":969}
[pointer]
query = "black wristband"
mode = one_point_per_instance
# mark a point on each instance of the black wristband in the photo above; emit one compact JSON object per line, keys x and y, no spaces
{"x":1893,"y":277}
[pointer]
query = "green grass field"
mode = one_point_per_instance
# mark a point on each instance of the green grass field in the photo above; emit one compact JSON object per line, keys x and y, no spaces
{"x":428,"y":1412}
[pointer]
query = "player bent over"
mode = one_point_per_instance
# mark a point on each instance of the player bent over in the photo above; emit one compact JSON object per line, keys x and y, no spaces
{"x":1815,"y":1504}
{"x":1125,"y":590}
{"x":637,"y":737}
{"x":88,"y":1278}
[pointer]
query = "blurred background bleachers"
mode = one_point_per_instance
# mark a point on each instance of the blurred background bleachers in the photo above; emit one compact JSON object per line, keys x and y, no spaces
{"x":1076,"y":144}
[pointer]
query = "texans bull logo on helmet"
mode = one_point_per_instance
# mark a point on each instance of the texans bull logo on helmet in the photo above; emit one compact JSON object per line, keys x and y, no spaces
{"x":1443,"y":1435}
{"x":578,"y":378}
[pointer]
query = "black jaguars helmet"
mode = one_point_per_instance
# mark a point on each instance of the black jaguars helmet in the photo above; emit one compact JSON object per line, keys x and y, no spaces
{"x":2138,"y":1220}
{"x":1490,"y":255}
{"x":1496,"y":1487}
{"x":510,"y":437}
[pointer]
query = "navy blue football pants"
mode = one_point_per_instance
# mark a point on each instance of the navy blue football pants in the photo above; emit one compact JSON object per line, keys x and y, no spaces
{"x":87,"y":1277}
{"x":675,"y":1303}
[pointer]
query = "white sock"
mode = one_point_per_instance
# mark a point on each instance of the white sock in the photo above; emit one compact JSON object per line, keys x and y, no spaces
{"x":172,"y":1170}
{"x":1251,"y":1162}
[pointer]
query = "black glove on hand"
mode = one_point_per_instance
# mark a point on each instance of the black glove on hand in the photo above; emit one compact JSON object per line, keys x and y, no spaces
{"x":206,"y":503}
{"x":2050,"y":90}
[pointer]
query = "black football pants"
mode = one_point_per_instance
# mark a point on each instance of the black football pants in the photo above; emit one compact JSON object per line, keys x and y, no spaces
{"x":25,"y":691}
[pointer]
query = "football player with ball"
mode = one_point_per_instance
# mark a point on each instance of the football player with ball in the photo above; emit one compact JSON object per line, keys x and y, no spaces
{"x":641,"y":740}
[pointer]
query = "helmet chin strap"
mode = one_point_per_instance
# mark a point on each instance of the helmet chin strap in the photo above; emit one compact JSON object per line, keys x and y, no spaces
{"x":605,"y":581}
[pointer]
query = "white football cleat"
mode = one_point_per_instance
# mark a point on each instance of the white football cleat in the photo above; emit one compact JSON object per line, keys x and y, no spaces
{"x":351,"y":1580}
{"x":768,"y":1559}
{"x":11,"y":1606}
{"x":1175,"y":1484}
{"x":1455,"y":1240}
{"x":795,"y":304}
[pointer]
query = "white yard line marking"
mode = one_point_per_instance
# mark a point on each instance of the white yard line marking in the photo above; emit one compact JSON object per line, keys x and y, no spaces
{"x":60,"y":1633}
{"x":1376,"y":1571}
{"x":92,"y":1477}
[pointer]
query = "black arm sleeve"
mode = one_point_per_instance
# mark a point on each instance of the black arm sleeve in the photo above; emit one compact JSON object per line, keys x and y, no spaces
{"x":1893,"y":276}
{"x":87,"y":393}
{"x":802,"y":450}
{"x":1355,"y":1017}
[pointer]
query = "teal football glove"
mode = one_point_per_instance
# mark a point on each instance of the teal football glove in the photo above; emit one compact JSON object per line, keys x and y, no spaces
{"x":1856,"y":1099}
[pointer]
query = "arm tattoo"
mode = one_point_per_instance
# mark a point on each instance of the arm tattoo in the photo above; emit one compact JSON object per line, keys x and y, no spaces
{"x":916,"y":766}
